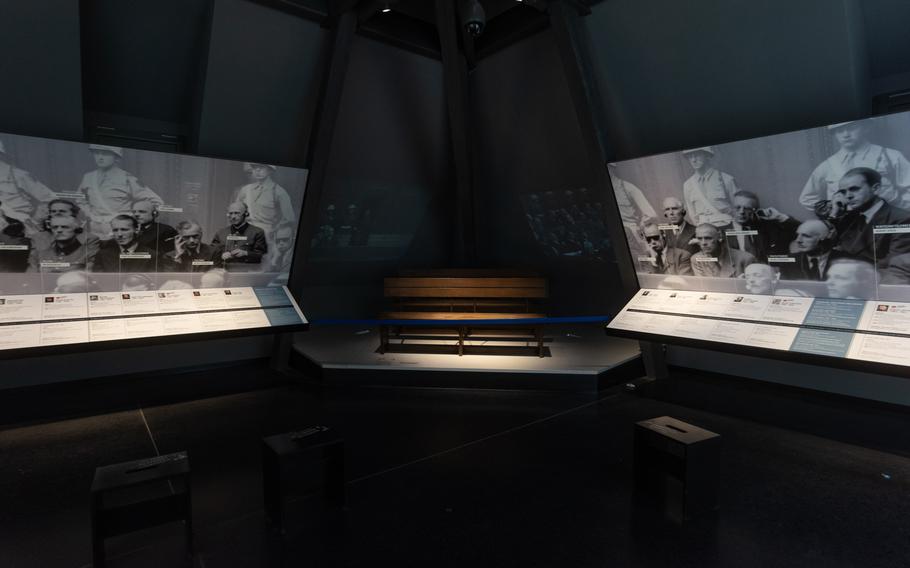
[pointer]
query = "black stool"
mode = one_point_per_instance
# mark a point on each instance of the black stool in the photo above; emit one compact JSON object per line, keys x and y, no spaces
{"x":283,"y":453}
{"x":140,"y":494}
{"x":676,"y":465}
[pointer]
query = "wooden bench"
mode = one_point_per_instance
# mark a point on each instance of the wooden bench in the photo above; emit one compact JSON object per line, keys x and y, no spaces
{"x":464,"y":299}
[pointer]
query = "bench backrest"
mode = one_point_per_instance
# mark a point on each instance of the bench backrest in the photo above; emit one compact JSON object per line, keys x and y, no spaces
{"x":466,"y":288}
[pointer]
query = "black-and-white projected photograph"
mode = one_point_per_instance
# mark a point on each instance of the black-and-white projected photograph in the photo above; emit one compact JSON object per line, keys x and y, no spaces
{"x":87,"y":217}
{"x":823,"y":212}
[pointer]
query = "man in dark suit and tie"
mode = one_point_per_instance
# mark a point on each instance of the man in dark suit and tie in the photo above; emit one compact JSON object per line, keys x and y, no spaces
{"x":866,"y":212}
{"x":813,"y":254}
{"x":678,"y":232}
{"x":664,"y":259}
{"x":759,"y":232}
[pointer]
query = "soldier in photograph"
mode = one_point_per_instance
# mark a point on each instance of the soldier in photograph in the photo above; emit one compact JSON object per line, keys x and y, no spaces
{"x":110,"y":190}
{"x":268,"y":203}
{"x":856,"y":151}
{"x":21,"y":193}
{"x":709,"y":192}
{"x":634,"y":209}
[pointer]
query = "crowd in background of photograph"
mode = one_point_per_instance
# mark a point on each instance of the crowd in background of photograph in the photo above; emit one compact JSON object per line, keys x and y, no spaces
{"x":845,"y":224}
{"x":568,"y":223}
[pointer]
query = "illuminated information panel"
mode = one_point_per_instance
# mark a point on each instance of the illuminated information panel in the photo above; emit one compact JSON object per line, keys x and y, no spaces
{"x":38,"y":320}
{"x":863,"y":330}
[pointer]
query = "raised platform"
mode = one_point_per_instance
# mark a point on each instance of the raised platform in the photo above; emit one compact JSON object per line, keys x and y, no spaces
{"x":579,"y":358}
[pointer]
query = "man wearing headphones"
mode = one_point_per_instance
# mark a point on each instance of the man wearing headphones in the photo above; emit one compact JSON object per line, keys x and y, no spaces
{"x":65,"y":208}
{"x":242,"y":245}
{"x":66,"y":252}
{"x":123,"y":253}
{"x":109,"y":189}
{"x":152,"y":234}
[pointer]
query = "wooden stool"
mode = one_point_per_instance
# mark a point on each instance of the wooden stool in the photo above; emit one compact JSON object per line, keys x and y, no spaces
{"x":282,"y":452}
{"x":125,"y":498}
{"x":677,"y":465}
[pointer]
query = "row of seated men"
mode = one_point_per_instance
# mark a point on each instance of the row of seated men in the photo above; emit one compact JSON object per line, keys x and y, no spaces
{"x":798,"y":250}
{"x":139,"y":243}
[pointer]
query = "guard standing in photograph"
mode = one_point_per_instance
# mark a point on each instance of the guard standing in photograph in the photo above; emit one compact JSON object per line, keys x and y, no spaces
{"x":708,"y":192}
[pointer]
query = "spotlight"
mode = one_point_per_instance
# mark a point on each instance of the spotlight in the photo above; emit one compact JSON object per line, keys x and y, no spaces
{"x":386,"y":9}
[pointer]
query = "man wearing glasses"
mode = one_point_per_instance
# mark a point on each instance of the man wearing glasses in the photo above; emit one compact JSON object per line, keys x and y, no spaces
{"x":663,"y":259}
{"x":759,"y":232}
{"x":190,"y":254}
{"x":242,"y":244}
{"x":281,"y":257}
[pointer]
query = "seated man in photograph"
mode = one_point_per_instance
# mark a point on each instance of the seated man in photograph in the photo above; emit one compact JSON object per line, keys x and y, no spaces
{"x":72,"y":282}
{"x":190,"y":254}
{"x":714,"y":259}
{"x":761,"y":279}
{"x":280,"y":259}
{"x":775,"y":229}
{"x":65,"y":208}
{"x":16,"y":246}
{"x":897,"y":271}
{"x":664,"y":260}
{"x":66,"y":252}
{"x":851,"y":278}
{"x":812,"y":252}
{"x":123,"y":253}
{"x":242,"y":244}
{"x":865,"y":211}
{"x":153,"y":235}
{"x":681,"y":236}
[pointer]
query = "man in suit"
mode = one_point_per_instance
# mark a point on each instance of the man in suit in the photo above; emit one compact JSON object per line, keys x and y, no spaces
{"x":663,"y":259}
{"x":190,"y":254}
{"x":152,"y":234}
{"x":242,"y":245}
{"x":811,"y":252}
{"x":123,"y":253}
{"x":774,"y":230}
{"x":865,"y":211}
{"x":715,"y":259}
{"x":678,"y":232}
{"x":851,"y":278}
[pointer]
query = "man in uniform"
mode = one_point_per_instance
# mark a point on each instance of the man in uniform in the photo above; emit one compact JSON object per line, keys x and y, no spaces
{"x":678,"y":231}
{"x":663,"y":259}
{"x":856,"y":151}
{"x":123,"y":253}
{"x":268,"y":203}
{"x":110,"y":190}
{"x":865,"y":210}
{"x":65,"y":252}
{"x":20,"y":192}
{"x":242,"y":245}
{"x":709,"y":192}
{"x":634,"y":209}
{"x":774,"y":229}
{"x":190,"y":254}
{"x":152,"y":234}
{"x":715,"y":259}
{"x":65,"y":208}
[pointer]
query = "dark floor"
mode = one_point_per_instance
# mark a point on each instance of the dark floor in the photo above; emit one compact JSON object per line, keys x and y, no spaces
{"x":457,"y":478}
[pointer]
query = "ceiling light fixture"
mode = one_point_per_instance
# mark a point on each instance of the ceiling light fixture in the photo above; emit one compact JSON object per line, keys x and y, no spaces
{"x":386,"y":9}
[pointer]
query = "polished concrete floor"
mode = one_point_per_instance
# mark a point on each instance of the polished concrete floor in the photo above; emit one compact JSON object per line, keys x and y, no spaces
{"x":456,"y":478}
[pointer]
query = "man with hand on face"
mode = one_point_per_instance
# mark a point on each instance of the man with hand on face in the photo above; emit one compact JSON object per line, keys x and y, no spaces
{"x":280,"y":260}
{"x":65,"y":252}
{"x":123,"y":253}
{"x":190,"y":254}
{"x":865,"y":211}
{"x":709,"y":192}
{"x":681,"y":234}
{"x":242,"y":245}
{"x":152,"y":234}
{"x":856,"y":152}
{"x":714,"y":259}
{"x":663,"y":259}
{"x":774,"y":229}
{"x":110,"y":190}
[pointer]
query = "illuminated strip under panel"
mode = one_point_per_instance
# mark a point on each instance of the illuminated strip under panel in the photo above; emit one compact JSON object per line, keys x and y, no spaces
{"x":28,"y":321}
{"x":873,"y":331}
